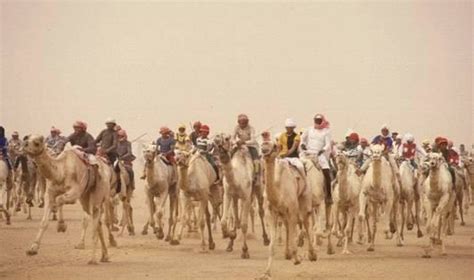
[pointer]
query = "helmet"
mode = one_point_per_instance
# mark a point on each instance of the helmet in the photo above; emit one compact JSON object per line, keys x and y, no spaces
{"x":349,"y":132}
{"x":15,"y":133}
{"x":354,"y":137}
{"x":80,"y":124}
{"x":197,"y":124}
{"x":441,"y":140}
{"x":409,"y":137}
{"x":204,"y":128}
{"x":122,"y":133}
{"x":110,"y":120}
{"x":290,"y":123}
{"x":363,"y":140}
{"x":164,"y":130}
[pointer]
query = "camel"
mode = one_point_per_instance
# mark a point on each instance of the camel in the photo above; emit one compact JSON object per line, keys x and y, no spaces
{"x":460,"y":187}
{"x":321,"y":214}
{"x":4,"y":190}
{"x":69,"y":180}
{"x":346,"y":199}
{"x":409,"y":196}
{"x":290,"y":199}
{"x":161,"y":182}
{"x":195,"y":178}
{"x":238,"y":170}
{"x":438,"y":202}
{"x":468,"y":162}
{"x":377,"y":192}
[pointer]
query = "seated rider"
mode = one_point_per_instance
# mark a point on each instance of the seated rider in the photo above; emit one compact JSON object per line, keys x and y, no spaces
{"x":183,"y":142}
{"x":55,"y":142}
{"x":165,"y":144}
{"x":205,"y":146}
{"x":450,"y":156}
{"x":81,"y":139}
{"x":288,"y":144}
{"x":364,"y":148}
{"x":351,"y":148}
{"x":125,"y":154}
{"x":244,"y":134}
{"x":410,"y":151}
{"x":4,"y":156}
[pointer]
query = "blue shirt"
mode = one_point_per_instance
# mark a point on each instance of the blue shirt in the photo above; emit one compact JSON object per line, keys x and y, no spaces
{"x":385,"y":140}
{"x":165,"y":145}
{"x":4,"y":146}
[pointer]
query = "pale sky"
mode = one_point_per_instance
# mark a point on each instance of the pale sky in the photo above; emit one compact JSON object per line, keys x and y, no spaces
{"x":148,"y":64}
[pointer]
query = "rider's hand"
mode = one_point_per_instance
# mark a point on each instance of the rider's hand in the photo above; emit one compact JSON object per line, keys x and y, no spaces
{"x":320,"y":152}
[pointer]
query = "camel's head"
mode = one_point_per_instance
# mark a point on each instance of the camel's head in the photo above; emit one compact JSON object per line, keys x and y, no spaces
{"x":468,"y":160}
{"x":33,"y":145}
{"x":268,"y":149}
{"x":435,"y":160}
{"x":223,"y":141}
{"x":149,"y":153}
{"x":341,"y":159}
{"x":182,"y":158}
{"x":377,"y":151}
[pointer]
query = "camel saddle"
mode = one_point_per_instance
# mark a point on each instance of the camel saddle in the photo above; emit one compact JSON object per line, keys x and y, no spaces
{"x":92,"y":169}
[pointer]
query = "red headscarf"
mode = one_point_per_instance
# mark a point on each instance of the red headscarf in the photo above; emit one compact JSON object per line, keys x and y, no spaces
{"x":324,"y":123}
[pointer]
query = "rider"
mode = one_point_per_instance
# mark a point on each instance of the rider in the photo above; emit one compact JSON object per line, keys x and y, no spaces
{"x":183,"y":143}
{"x":196,"y":132}
{"x":426,"y":146}
{"x":289,"y":141}
{"x":365,"y":151}
{"x":205,"y":146}
{"x":82,"y":139}
{"x":449,"y":156}
{"x":410,"y":150}
{"x":14,"y":149}
{"x":244,"y":134}
{"x":317,"y":141}
{"x":165,"y":144}
{"x":107,"y":139}
{"x":397,"y":144}
{"x":125,"y":154}
{"x":55,"y":142}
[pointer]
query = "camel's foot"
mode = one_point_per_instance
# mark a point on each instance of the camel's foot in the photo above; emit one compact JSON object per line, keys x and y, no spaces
{"x":399,"y":242}
{"x":301,"y":241}
{"x":230,"y":246}
{"x":287,"y":256}
{"x":212,"y":245}
{"x":312,"y":256}
{"x":41,"y":205}
{"x":131,"y":230}
{"x":174,"y":242}
{"x":114,"y":228}
{"x":319,"y":241}
{"x":112,"y":242}
{"x":265,"y":276}
{"x":105,"y":259}
{"x":388,"y":235}
{"x":160,"y":234}
{"x":330,"y":250}
{"x":463,"y":223}
{"x":61,"y":227}
{"x":232,"y":234}
{"x":266,"y":240}
{"x":144,"y":232}
{"x":29,"y":218}
{"x":346,"y":252}
{"x":296,"y":260}
{"x":409,"y":226}
{"x":393,"y":229}
{"x":371,"y":248}
{"x":33,"y":250}
{"x":93,"y":262}
{"x":245,"y":254}
{"x":360,"y":240}
{"x":450,"y":231}
{"x":340,"y":242}
{"x":55,"y":217}
{"x":80,"y":246}
{"x":426,"y":256}
{"x":168,"y":238}
{"x":427,"y":253}
{"x":419,"y":234}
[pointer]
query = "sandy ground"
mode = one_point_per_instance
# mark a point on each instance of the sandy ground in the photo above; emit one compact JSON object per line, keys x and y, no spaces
{"x":145,"y":257}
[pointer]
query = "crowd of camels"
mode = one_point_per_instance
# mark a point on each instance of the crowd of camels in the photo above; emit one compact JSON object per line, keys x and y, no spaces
{"x":285,"y":199}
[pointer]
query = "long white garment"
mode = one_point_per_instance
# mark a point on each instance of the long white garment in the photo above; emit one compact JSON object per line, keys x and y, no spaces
{"x":316,"y":140}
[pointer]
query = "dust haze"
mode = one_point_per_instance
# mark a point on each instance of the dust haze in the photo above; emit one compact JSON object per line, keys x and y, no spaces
{"x":150,"y":64}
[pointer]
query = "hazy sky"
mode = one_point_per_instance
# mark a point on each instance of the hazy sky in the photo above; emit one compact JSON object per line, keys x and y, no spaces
{"x":149,"y":64}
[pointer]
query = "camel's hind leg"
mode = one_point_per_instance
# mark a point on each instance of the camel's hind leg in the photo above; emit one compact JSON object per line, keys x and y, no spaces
{"x":212,"y":245}
{"x":151,"y":213}
{"x":373,"y":231}
{"x":105,"y":254}
{"x":85,"y":221}
{"x":159,"y":215}
{"x":404,"y":213}
{"x":460,"y":206}
{"x":246,"y":205}
{"x":419,"y":233}
{"x":308,"y":227}
{"x":173,"y":214}
{"x":95,"y":211}
{"x":225,"y":215}
{"x":261,"y":213}
{"x":109,"y":217}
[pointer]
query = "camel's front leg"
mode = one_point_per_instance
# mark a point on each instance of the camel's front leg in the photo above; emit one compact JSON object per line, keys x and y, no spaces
{"x":212,"y":245}
{"x":245,"y":216}
{"x":43,"y":226}
{"x":373,"y":231}
{"x":225,"y":215}
{"x":159,"y":215}
{"x":70,"y":196}
{"x":308,"y":228}
{"x":85,"y":221}
{"x":261,"y":213}
{"x":151,"y":213}
{"x":173,"y":213}
{"x":95,"y":214}
{"x":419,"y":233}
{"x":293,"y":248}
{"x":202,"y":224}
{"x":61,"y":227}
{"x":271,"y":249}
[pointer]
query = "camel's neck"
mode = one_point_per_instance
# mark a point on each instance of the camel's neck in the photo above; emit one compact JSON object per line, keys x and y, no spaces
{"x":183,"y":178}
{"x":434,"y":179}
{"x":48,"y":166}
{"x":342,"y":179}
{"x":272,"y":189}
{"x":150,"y":171}
{"x":377,"y":173}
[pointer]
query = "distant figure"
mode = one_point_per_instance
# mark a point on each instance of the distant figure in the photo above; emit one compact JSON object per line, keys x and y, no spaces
{"x":195,"y":133}
{"x":55,"y":142}
{"x":107,"y":139}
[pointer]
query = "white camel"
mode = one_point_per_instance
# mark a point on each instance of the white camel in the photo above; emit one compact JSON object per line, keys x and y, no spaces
{"x":195,"y":178}
{"x":238,"y":170}
{"x":409,"y":197}
{"x":438,"y":203}
{"x":346,"y":199}
{"x":377,"y":193}
{"x":70,"y":179}
{"x":289,"y":198}
{"x":4,"y":191}
{"x":161,"y":182}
